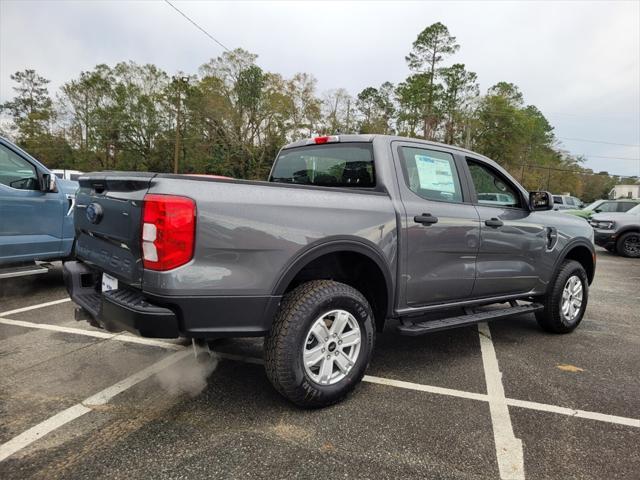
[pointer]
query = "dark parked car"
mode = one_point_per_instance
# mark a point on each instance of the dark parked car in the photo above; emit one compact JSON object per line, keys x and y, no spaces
{"x":619,"y":232}
{"x":348,"y":232}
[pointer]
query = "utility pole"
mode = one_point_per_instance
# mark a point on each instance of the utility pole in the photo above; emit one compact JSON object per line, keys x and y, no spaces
{"x":467,"y":136}
{"x":348,"y":115}
{"x":176,"y":155}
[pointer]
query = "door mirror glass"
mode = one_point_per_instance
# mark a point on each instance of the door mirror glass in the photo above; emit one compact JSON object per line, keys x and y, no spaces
{"x":48,"y":183}
{"x":540,"y":201}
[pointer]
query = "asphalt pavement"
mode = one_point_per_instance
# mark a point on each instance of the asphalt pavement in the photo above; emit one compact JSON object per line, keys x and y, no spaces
{"x":76,"y":402}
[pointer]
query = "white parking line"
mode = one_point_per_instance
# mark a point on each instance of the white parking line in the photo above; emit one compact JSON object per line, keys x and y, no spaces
{"x":425,"y":388}
{"x":34,"y":307}
{"x":508,"y":447}
{"x":529,"y":405}
{"x":121,"y":337}
{"x":29,"y":436}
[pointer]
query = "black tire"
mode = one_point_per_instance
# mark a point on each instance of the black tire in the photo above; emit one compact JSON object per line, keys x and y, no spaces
{"x":284,"y":344}
{"x":551,"y":318}
{"x":628,"y":245}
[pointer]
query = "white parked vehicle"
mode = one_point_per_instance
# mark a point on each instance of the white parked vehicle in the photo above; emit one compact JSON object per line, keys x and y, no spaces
{"x":566,"y":202}
{"x":67,"y":174}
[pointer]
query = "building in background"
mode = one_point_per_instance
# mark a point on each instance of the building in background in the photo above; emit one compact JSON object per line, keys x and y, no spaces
{"x":625,"y":191}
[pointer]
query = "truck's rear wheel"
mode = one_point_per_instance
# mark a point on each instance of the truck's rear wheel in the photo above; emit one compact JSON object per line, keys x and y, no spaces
{"x":320,"y":343}
{"x":566,"y":299}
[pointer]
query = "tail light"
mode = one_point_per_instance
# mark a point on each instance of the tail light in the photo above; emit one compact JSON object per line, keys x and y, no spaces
{"x":168,"y":231}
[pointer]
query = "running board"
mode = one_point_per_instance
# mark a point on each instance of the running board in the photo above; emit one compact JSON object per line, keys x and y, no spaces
{"x":24,"y":270}
{"x":413,"y":329}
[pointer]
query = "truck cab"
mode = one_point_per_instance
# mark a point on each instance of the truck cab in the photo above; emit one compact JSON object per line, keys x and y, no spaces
{"x":36,"y":213}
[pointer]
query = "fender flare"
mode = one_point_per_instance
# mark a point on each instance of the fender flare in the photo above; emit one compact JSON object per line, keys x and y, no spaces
{"x":576,"y":242}
{"x":339,"y":244}
{"x":627,"y":229}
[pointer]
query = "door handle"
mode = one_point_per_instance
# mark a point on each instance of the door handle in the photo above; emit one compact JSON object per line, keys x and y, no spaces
{"x":494,"y":222}
{"x":425,"y":219}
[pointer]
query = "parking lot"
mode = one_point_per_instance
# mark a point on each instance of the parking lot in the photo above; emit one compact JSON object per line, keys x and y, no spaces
{"x":510,"y":402}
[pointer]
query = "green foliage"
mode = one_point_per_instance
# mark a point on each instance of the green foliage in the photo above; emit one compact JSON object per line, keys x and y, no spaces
{"x":232,"y":117}
{"x":376,"y":107}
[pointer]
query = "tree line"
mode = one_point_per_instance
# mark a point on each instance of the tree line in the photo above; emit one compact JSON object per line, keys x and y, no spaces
{"x":232,"y":117}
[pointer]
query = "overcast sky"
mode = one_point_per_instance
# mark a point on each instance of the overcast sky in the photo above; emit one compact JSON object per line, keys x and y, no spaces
{"x":579,"y":62}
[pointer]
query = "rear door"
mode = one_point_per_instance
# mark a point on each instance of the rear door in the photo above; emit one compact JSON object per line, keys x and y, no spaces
{"x":108,"y":223}
{"x":625,"y":206}
{"x":512,"y":242}
{"x":441,"y":228}
{"x":30,"y":220}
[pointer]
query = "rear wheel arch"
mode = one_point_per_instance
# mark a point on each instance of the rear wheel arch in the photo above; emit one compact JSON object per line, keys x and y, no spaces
{"x":347,"y":261}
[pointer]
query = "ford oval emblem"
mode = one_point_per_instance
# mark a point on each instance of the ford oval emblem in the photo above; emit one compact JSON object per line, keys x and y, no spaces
{"x":94,"y":213}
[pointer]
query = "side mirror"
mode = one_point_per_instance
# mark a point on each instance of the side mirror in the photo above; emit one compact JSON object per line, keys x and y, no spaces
{"x":597,"y":210}
{"x":48,"y":183}
{"x":540,"y":201}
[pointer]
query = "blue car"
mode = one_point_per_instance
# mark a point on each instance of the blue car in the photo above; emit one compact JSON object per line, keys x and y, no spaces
{"x":36,"y":213}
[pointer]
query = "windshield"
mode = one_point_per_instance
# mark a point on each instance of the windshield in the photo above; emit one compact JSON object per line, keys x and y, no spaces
{"x":594,"y":205}
{"x":635,"y":210}
{"x":337,"y":165}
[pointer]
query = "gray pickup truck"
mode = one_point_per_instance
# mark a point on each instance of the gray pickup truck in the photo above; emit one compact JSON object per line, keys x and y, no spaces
{"x":349,"y":232}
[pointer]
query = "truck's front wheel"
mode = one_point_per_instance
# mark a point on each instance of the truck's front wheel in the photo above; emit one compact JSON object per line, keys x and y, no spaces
{"x":566,"y":299}
{"x":320,"y":343}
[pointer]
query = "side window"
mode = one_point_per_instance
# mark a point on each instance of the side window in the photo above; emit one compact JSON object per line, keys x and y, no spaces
{"x":608,"y":207}
{"x":491,"y":189}
{"x":431,"y":174}
{"x":557,"y":200}
{"x":16,"y":172}
{"x":625,"y":206}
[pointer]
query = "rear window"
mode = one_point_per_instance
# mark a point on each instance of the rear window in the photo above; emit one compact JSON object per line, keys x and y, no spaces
{"x":343,"y":165}
{"x":557,"y":200}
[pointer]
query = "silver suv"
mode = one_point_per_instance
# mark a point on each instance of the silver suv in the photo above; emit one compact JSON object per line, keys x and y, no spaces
{"x":618,"y":232}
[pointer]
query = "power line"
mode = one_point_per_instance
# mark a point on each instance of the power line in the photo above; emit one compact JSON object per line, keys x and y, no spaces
{"x":196,"y":25}
{"x":600,"y":141}
{"x":611,"y":158}
{"x":577,"y":172}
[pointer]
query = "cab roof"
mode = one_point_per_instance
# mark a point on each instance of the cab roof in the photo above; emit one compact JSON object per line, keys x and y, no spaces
{"x":369,"y":138}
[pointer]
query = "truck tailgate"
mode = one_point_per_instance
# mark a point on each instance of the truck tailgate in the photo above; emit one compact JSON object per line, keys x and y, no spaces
{"x":108,"y":222}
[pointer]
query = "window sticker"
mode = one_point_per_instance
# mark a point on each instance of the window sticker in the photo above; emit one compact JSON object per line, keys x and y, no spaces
{"x":435,"y":174}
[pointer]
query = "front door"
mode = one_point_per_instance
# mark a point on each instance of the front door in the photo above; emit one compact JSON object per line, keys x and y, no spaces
{"x":512,"y":242}
{"x":30,"y":220}
{"x":441,"y":231}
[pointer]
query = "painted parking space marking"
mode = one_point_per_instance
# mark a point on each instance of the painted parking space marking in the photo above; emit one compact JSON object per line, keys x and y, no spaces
{"x":121,"y":337}
{"x":508,"y":448}
{"x":526,"y":404}
{"x":34,"y":307}
{"x":38,"y":431}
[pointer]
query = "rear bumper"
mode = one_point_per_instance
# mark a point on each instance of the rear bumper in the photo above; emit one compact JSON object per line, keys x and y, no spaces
{"x":155,"y":316}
